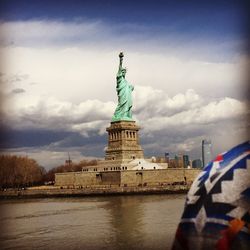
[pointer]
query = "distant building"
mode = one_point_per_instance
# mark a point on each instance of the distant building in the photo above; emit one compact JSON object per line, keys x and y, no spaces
{"x":190,"y":163}
{"x":158,"y":159}
{"x":186,"y":161}
{"x":171,"y":160}
{"x":167,"y":157}
{"x":68,"y":162}
{"x":197,"y":163}
{"x":206,"y":152}
{"x":161,"y":159}
{"x":180,"y":161}
{"x":173,"y":163}
{"x":176,"y":161}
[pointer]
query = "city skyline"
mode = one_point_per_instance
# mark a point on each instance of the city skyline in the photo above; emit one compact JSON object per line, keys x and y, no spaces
{"x":187,"y":62}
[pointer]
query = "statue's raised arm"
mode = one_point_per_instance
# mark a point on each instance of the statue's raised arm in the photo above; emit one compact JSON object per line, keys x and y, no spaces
{"x":121,"y":59}
{"x":124,"y":93}
{"x":119,"y":73}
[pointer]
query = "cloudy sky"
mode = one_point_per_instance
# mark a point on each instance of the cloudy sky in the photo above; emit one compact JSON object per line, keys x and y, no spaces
{"x":187,"y":61}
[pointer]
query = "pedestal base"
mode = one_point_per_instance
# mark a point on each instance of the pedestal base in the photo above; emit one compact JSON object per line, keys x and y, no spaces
{"x":123,"y":143}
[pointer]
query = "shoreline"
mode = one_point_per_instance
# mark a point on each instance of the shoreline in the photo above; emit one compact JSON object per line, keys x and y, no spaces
{"x":54,"y":192}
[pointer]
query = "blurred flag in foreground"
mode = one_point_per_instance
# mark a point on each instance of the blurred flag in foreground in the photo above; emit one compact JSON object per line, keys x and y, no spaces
{"x":217,"y":209}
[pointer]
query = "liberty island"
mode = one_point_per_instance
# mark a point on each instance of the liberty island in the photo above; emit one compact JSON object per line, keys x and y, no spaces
{"x":124,"y":168}
{"x":124,"y":165}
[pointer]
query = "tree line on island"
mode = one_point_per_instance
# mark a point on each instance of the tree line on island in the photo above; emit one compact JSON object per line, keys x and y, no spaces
{"x":21,"y":172}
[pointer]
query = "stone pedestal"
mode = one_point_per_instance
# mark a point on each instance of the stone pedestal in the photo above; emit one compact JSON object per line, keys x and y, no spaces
{"x":123,"y":142}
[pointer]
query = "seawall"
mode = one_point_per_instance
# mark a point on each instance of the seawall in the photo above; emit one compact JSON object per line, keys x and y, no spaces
{"x":128,"y":178}
{"x":90,"y":191}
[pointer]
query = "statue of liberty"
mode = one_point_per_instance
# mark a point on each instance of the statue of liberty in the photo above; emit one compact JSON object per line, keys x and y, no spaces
{"x":124,"y":92}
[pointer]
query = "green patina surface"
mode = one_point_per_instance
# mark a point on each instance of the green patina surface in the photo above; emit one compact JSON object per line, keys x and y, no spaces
{"x":124,"y":90}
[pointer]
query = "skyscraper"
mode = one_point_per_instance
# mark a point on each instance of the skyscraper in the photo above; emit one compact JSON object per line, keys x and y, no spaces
{"x":180,"y":160}
{"x":185,"y":161}
{"x":197,"y":163}
{"x":206,"y":152}
{"x":167,"y":157}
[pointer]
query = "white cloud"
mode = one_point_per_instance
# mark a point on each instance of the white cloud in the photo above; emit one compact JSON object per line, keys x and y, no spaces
{"x":66,"y":72}
{"x":52,"y":114}
{"x":155,"y":102}
{"x":181,"y":131}
{"x":62,"y":57}
{"x":152,"y":107}
{"x":80,"y":73}
{"x":212,"y":112}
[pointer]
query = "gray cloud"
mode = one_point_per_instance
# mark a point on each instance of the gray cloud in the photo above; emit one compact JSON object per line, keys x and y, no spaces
{"x":51,"y":114}
{"x":176,"y":124}
{"x":18,"y":91}
{"x":183,"y":92}
{"x":176,"y":139}
{"x":151,"y":105}
{"x":98,"y":33}
{"x":12,"y":78}
{"x":224,"y":134}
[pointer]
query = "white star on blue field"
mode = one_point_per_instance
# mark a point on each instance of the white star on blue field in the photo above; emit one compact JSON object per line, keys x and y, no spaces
{"x":187,"y":60}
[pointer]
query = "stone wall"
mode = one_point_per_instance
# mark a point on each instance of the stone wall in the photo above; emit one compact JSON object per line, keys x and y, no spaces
{"x":111,"y":178}
{"x":89,"y":191}
{"x":158,"y":177}
{"x":126,"y":178}
{"x":73,"y":179}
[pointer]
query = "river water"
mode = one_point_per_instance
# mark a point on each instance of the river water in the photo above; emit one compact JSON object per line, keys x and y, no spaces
{"x":110,"y":222}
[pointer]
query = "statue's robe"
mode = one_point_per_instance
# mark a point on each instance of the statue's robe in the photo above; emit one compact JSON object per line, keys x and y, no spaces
{"x":124,"y":92}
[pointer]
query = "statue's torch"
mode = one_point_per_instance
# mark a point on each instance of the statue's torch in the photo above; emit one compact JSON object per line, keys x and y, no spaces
{"x":121,"y":58}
